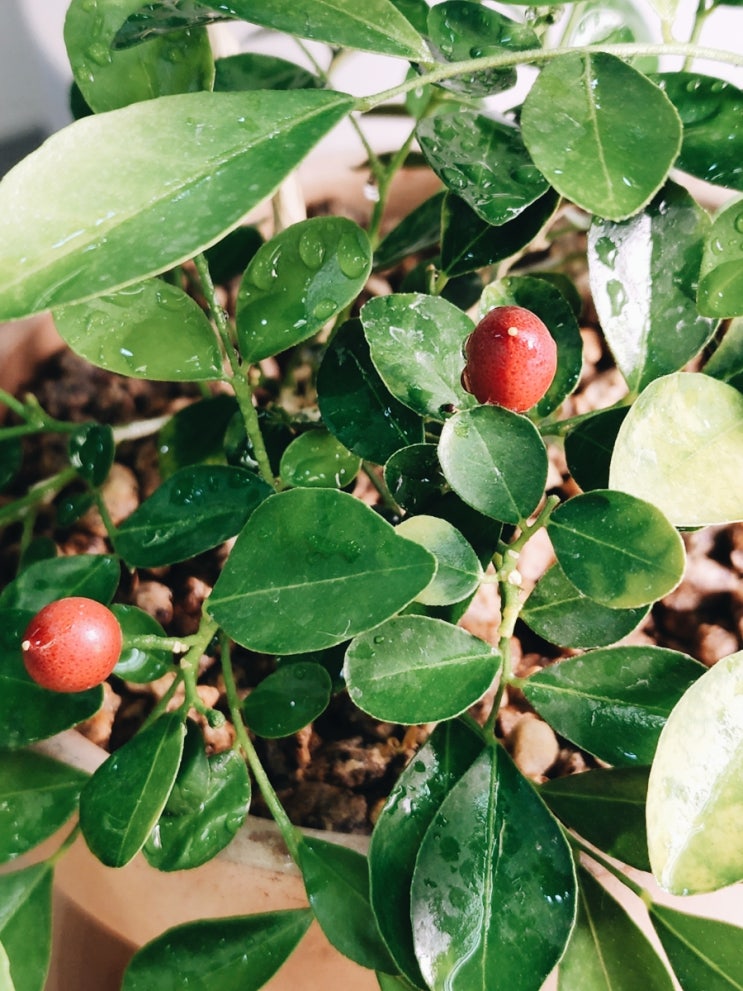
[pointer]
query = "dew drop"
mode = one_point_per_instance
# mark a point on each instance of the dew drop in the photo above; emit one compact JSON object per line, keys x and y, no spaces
{"x":311,"y":249}
{"x":351,"y":257}
{"x":99,"y":53}
{"x":324,"y":309}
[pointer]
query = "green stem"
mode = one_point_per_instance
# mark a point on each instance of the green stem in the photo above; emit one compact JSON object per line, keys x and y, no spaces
{"x":291,"y":835}
{"x":542,"y":56}
{"x":39,"y":494}
{"x":189,"y":665}
{"x":243,"y":391}
{"x":9,"y":400}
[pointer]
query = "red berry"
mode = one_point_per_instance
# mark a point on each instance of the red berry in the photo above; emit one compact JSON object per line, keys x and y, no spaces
{"x":511,"y":359}
{"x":71,"y":644}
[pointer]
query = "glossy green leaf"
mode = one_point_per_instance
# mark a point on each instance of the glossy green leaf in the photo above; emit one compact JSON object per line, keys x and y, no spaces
{"x":504,"y":917}
{"x":601,"y":132}
{"x":401,"y":826}
{"x":461,"y":30}
{"x":26,"y":925}
{"x":644,"y":274}
{"x":726,"y":363}
{"x":390,"y":982}
{"x":336,"y":879}
{"x":616,"y":548}
{"x":91,"y":450}
{"x":594,"y":22}
{"x":195,"y":509}
{"x":297,"y":281}
{"x":413,"y":476}
{"x":416,"y":345}
{"x":28,"y":712}
{"x":94,"y":576}
{"x":376,"y":27}
{"x":615,"y":701}
{"x":312,"y":568}
{"x":253,"y":70}
{"x":161,"y":17}
{"x":560,"y":614}
{"x":37,"y":796}
{"x":694,"y":792}
{"x":141,"y":774}
{"x":495,"y":461}
{"x":235,"y":954}
{"x":229,"y":257}
{"x":483,"y":161}
{"x":175,"y":63}
{"x":555,"y":311}
{"x":68,"y":234}
{"x":288,"y":699}
{"x":458,"y":571}
{"x":317,"y":459}
{"x":468,"y":242}
{"x":605,"y":807}
{"x":195,"y":434}
{"x":711,"y":111}
{"x":208,"y":804}
{"x":589,"y":446}
{"x":415,"y":669}
{"x":136,"y":663}
{"x":418,"y":231}
{"x":607,"y":950}
{"x":149,"y":330}
{"x":683,"y":428}
{"x":720,"y":280}
{"x":704,"y":953}
{"x":356,"y":405}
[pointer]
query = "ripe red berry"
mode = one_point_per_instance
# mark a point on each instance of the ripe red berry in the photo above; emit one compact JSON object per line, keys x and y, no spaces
{"x":511,"y":359}
{"x":71,"y":644}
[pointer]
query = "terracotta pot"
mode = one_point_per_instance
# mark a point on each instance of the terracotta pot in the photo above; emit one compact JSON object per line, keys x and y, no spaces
{"x":104,"y":914}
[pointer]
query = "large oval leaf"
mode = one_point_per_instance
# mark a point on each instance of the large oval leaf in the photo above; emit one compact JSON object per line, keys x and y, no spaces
{"x":82,"y":215}
{"x":696,"y":786}
{"x":416,"y":344}
{"x":607,"y":950}
{"x":236,"y":954}
{"x":679,"y":448}
{"x":613,"y":702}
{"x":150,"y":330}
{"x":26,"y":925}
{"x":559,"y":613}
{"x":644,"y":274}
{"x":495,"y":461}
{"x":140,"y":774}
{"x":207,"y":806}
{"x":505,"y":914}
{"x":412,"y":804}
{"x":94,"y":576}
{"x":711,"y":111}
{"x":415,"y":669}
{"x":337,"y":882}
{"x":720,"y":281}
{"x":704,"y":953}
{"x":37,"y":796}
{"x":378,"y":26}
{"x":317,"y":459}
{"x":601,"y":132}
{"x":483,"y":161}
{"x":314,"y":567}
{"x":108,"y":79}
{"x":288,"y":699}
{"x":195,"y":509}
{"x":298,"y":281}
{"x":616,"y":548}
{"x":458,"y":570}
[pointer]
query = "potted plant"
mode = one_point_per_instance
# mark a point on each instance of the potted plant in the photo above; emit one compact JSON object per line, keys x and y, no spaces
{"x":448,"y":393}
